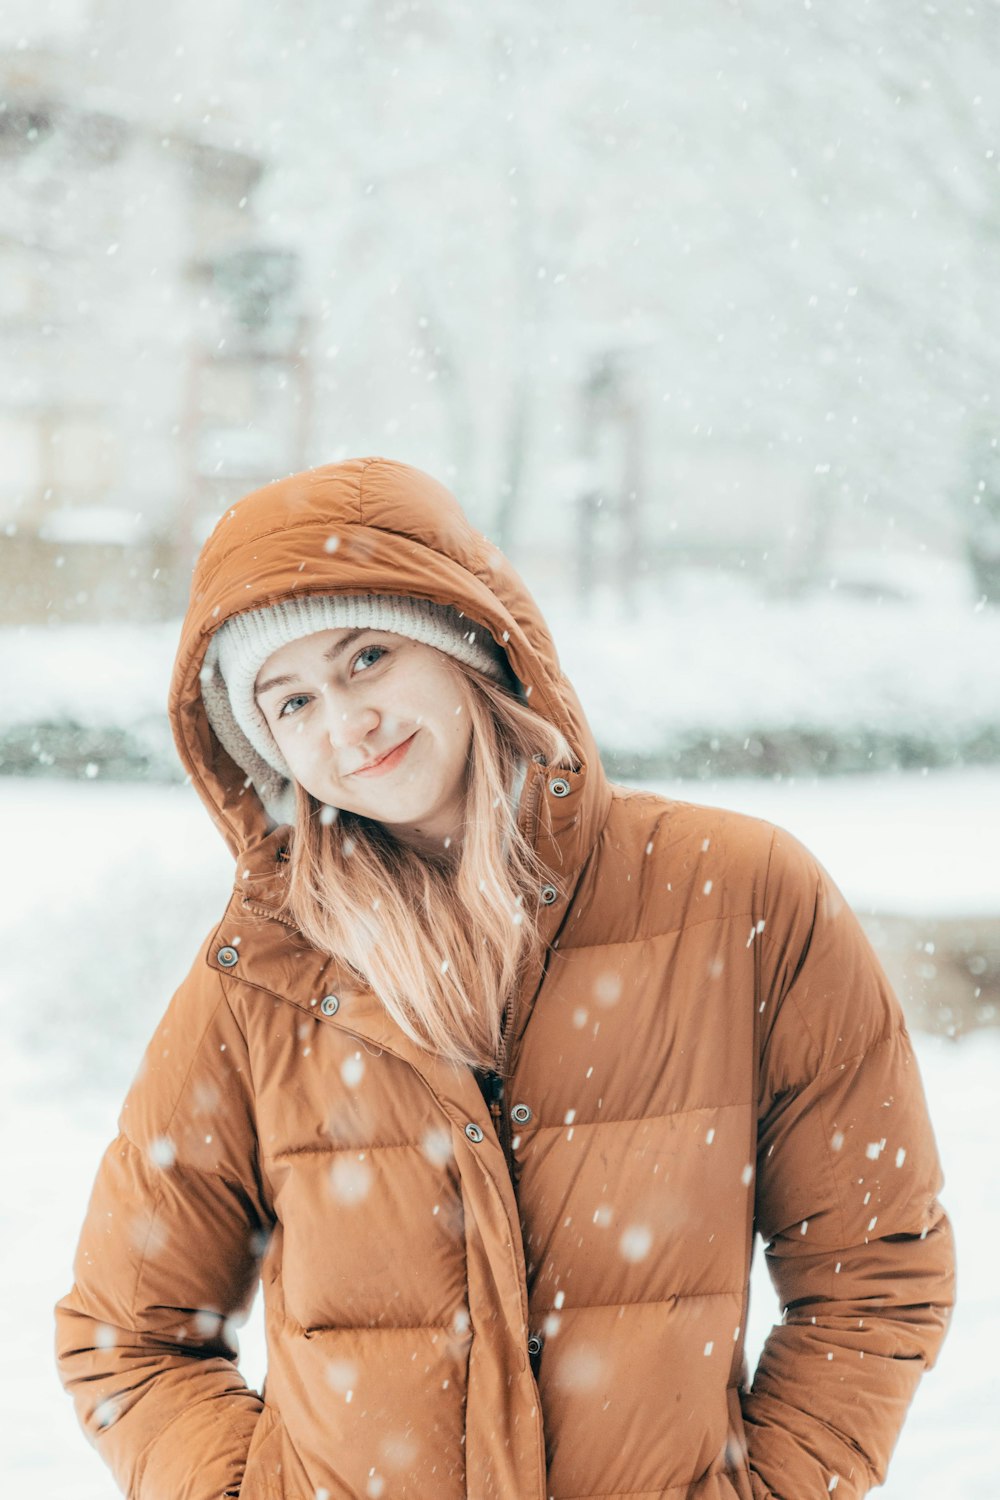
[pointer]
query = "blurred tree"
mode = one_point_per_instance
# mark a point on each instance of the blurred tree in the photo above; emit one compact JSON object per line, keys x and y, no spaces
{"x":982,"y":506}
{"x":797,"y":204}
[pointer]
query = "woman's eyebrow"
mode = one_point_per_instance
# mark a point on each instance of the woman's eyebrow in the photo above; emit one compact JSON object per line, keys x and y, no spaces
{"x":328,"y":655}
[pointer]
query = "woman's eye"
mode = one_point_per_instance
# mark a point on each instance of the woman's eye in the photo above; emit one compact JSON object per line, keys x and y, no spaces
{"x":369,"y":656}
{"x":299,"y":698}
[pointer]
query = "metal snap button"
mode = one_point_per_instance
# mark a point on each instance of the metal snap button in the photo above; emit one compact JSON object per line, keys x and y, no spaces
{"x":474,"y":1133}
{"x":548,"y":894}
{"x":520,"y":1114}
{"x":534,"y":1345}
{"x":227,"y":957}
{"x":559,"y":787}
{"x":329,"y":1005}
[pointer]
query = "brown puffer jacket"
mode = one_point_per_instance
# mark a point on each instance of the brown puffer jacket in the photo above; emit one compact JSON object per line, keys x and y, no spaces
{"x":553,"y":1307}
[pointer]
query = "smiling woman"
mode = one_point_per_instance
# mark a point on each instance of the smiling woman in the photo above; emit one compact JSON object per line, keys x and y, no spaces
{"x":493,"y":1071}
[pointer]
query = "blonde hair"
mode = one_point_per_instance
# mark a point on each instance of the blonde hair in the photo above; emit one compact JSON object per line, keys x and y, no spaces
{"x":441,"y":941}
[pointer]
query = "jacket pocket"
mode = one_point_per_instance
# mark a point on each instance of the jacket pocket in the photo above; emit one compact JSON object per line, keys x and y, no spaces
{"x":262,"y":1475}
{"x":745,"y":1484}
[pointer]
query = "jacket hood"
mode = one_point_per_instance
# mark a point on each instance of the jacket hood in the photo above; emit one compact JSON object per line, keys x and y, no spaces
{"x":367,"y":526}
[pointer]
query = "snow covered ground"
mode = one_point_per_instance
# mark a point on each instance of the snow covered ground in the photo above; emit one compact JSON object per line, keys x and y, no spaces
{"x":118,"y":884}
{"x":708,"y":654}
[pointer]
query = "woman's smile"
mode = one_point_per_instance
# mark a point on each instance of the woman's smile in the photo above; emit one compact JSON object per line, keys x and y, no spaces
{"x":387,"y":762}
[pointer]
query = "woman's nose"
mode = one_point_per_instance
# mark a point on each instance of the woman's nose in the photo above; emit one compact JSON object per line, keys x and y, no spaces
{"x":348,"y":724}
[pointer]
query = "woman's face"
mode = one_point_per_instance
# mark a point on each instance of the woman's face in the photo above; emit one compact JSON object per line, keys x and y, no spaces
{"x":373,"y":723}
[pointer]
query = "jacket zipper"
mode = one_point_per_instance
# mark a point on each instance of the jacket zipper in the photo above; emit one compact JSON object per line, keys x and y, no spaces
{"x":496,"y":1087}
{"x":500,"y":1116}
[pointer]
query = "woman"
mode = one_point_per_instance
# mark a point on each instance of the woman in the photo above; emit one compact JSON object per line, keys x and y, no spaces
{"x":492,"y":1071}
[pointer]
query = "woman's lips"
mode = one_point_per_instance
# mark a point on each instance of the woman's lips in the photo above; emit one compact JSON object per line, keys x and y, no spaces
{"x":388,"y":762}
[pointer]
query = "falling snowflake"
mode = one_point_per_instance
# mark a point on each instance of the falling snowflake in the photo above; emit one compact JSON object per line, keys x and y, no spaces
{"x":581,"y":1370}
{"x":207,"y":1323}
{"x":106,"y":1412}
{"x":607,"y":989}
{"x":636,"y":1242}
{"x":162,"y":1152}
{"x":350,"y":1180}
{"x":436,"y":1145}
{"x":352,"y":1070}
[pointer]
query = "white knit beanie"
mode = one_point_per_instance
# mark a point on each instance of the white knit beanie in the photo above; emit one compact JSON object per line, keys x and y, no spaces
{"x":241,"y":646}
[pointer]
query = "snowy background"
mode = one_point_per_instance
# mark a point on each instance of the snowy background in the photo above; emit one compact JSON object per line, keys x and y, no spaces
{"x":729,"y":268}
{"x":698,"y":311}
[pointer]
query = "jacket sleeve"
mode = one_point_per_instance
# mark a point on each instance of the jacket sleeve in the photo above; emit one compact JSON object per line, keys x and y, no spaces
{"x":859,"y":1250}
{"x":168,"y":1259}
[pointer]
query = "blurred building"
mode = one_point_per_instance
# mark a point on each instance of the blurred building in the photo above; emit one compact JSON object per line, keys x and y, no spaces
{"x":149,"y":348}
{"x":643,"y":316}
